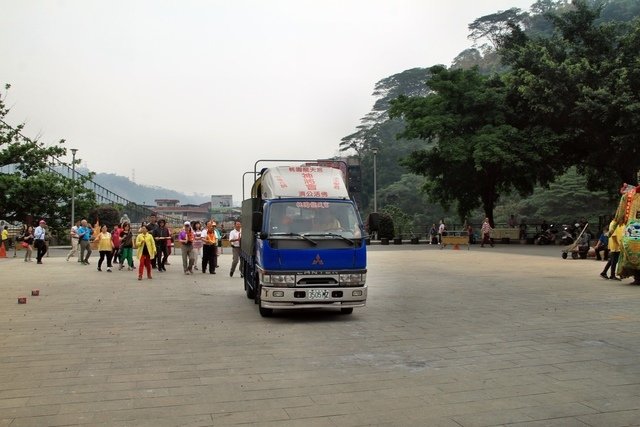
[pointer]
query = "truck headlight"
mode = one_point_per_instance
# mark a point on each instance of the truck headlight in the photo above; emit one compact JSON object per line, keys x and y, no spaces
{"x":280,"y":279}
{"x":352,"y":279}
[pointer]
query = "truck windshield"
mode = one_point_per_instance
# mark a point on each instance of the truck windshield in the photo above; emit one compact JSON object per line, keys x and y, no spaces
{"x":315,"y":218}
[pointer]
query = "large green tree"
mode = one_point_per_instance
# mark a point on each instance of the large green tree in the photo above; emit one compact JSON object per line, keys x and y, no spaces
{"x":580,"y":87}
{"x":31,"y":186}
{"x":377,"y":130}
{"x":472,"y":152}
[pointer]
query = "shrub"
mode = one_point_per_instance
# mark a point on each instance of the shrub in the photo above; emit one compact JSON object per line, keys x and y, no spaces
{"x":386,"y":226}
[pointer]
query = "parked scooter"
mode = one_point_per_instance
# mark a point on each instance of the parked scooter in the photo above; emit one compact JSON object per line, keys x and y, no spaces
{"x":567,"y":235}
{"x":547,"y":237}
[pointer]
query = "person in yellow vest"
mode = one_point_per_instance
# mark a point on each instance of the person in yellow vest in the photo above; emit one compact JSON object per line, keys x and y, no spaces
{"x":616,"y":232}
{"x":105,"y":247}
{"x":5,"y":236}
{"x":146,"y":251}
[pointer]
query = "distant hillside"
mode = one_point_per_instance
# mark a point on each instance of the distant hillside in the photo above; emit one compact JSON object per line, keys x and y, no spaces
{"x":137,"y":193}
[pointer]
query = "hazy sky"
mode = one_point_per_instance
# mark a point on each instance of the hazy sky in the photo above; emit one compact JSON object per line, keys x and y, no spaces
{"x":190,"y":94}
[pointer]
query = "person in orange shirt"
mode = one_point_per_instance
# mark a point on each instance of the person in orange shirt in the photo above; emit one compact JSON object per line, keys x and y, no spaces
{"x":186,"y":239}
{"x":209,"y":249}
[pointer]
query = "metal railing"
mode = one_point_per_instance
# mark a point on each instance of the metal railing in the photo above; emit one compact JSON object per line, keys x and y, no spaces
{"x":103,"y":195}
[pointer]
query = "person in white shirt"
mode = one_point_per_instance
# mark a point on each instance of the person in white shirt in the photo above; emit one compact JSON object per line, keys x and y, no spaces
{"x":442,"y":231}
{"x":40,"y":243}
{"x":75,"y":241}
{"x":234,"y":240}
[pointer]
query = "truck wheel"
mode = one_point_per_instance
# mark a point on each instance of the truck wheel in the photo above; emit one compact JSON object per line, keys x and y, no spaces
{"x":256,"y":291}
{"x":564,"y":255}
{"x":248,"y":290}
{"x":247,"y":287}
{"x":346,"y":310}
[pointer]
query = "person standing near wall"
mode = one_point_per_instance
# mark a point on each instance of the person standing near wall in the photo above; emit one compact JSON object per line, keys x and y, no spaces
{"x":442,"y":231}
{"x":486,"y":233}
{"x":5,"y":237}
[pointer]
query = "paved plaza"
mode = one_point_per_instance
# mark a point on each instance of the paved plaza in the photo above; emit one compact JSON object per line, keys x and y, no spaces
{"x":513,"y":335}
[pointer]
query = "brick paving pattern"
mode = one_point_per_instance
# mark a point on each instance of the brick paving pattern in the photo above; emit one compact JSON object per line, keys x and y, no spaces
{"x":514,"y":336}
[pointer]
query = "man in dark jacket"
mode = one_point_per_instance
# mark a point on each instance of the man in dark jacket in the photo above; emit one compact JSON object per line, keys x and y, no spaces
{"x":161,"y":236}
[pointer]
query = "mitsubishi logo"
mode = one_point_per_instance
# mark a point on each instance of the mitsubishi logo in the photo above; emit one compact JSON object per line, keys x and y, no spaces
{"x":317,"y":260}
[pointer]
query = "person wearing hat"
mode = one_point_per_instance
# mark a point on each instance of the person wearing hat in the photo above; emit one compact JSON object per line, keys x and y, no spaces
{"x":186,"y":239}
{"x":161,"y":236}
{"x":40,"y":243}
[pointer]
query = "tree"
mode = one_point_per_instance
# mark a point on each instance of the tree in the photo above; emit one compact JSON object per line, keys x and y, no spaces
{"x":492,"y":27}
{"x":30,"y":185}
{"x":580,"y":88}
{"x":377,"y":130}
{"x":108,"y":215}
{"x":566,"y":200}
{"x":472,"y":153}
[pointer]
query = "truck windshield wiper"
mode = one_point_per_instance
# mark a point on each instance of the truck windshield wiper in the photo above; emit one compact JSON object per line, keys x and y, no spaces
{"x":332,"y":235}
{"x":295,"y":235}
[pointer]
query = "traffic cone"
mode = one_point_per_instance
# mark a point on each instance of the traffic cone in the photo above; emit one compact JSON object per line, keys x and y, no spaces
{"x":456,"y":247}
{"x":3,"y":251}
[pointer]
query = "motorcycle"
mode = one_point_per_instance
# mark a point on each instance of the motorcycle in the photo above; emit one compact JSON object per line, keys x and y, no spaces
{"x":568,"y":235}
{"x":547,"y":237}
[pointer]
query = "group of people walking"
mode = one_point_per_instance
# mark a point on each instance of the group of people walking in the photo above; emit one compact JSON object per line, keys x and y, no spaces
{"x":153,"y":243}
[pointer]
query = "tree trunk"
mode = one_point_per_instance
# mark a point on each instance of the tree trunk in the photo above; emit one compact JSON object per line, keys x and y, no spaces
{"x":489,"y":200}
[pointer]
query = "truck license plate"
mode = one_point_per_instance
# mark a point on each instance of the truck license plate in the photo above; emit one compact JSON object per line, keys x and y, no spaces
{"x":318,"y":294}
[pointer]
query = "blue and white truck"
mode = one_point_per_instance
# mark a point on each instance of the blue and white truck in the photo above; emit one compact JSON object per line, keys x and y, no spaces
{"x":303,"y":242}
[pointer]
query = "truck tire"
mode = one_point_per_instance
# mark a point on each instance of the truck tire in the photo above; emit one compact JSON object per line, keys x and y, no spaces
{"x":247,"y":286}
{"x":346,"y":310}
{"x":248,"y":290}
{"x":265,"y":312}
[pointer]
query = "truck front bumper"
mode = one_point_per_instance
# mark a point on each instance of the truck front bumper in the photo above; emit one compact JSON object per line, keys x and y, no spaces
{"x":316,"y":297}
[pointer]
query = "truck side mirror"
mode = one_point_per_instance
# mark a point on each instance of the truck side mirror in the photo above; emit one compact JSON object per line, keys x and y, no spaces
{"x":256,"y":221}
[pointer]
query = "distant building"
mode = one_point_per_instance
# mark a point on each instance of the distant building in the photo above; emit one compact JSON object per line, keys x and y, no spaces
{"x":221,"y":201}
{"x":162,"y":203}
{"x":189,"y":212}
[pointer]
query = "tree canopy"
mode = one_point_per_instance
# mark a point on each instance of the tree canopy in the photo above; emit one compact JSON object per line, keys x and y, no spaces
{"x":30,"y":187}
{"x":566,"y":96}
{"x":580,"y":87}
{"x":473,"y":152}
